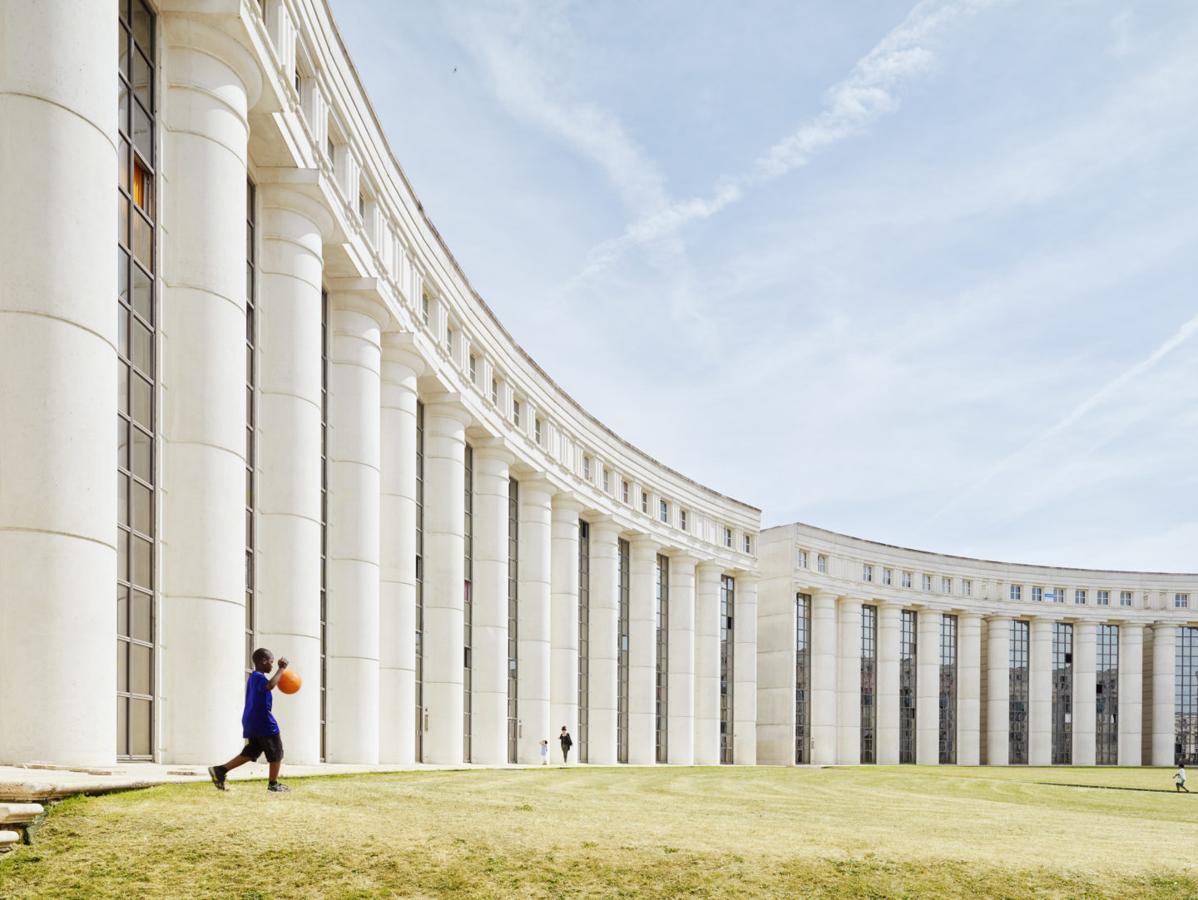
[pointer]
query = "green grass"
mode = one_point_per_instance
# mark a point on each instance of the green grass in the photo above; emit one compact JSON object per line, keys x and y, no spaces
{"x":867,"y":831}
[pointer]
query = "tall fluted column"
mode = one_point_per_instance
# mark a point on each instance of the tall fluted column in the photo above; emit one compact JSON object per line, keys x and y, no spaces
{"x":1131,"y":692}
{"x":682,"y":661}
{"x":533,"y":628}
{"x":397,"y":589}
{"x":927,"y":685}
{"x":744,"y":748}
{"x":642,"y":650}
{"x":969,"y":689}
{"x":287,"y":545}
{"x":1040,"y":693}
{"x":1085,"y":681}
{"x":444,"y":578}
{"x":354,"y":501}
{"x":211,"y":82}
{"x":998,"y":691}
{"x":1164,"y":659}
{"x":888,"y":684}
{"x":488,"y":698}
{"x":707,"y":664}
{"x":604,"y":636}
{"x":823,"y":678}
{"x":563,"y":622}
{"x":58,"y":368}
{"x":848,"y":687}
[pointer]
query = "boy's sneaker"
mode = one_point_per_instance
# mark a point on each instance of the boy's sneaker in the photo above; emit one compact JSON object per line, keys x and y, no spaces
{"x":217,"y":774}
{"x":278,"y":788}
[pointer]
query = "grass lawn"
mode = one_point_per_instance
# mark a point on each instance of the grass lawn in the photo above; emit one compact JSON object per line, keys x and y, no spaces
{"x":620,"y":832}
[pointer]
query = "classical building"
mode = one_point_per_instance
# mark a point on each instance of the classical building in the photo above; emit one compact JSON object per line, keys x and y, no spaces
{"x":869,"y":653}
{"x":263,"y":406}
{"x":325,"y":443}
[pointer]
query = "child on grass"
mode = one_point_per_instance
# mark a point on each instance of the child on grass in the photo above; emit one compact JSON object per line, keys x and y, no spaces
{"x":258,"y":726}
{"x":1179,"y":779}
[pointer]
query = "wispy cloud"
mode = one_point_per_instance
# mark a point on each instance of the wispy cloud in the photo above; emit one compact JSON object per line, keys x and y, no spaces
{"x":1045,"y":438}
{"x":871,"y":90}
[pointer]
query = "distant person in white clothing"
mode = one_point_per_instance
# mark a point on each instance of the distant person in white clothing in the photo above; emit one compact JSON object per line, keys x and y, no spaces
{"x":1180,"y":778}
{"x":544,"y":753}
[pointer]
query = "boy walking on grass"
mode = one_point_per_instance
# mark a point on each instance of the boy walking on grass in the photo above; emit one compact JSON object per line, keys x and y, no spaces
{"x":258,"y":726}
{"x":1180,"y":778}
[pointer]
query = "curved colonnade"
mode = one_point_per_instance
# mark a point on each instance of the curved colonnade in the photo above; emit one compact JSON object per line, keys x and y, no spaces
{"x":326,"y":443}
{"x":870,"y":653}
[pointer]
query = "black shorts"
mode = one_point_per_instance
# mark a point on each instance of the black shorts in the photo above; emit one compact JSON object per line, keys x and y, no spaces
{"x":270,"y":744}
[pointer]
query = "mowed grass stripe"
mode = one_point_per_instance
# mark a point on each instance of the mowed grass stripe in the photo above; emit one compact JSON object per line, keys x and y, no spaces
{"x":881,"y":831}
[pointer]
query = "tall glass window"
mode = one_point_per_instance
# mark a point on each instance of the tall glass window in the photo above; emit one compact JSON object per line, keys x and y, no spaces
{"x":251,"y":418}
{"x":802,"y":678}
{"x":419,"y":581}
{"x":948,"y":690}
{"x":869,"y":684}
{"x":1062,"y":693}
{"x":907,"y":664}
{"x":468,"y":604}
{"x":622,"y":659}
{"x":1106,"y":719}
{"x":137,"y":307}
{"x":727,"y":665}
{"x":1017,"y":708}
{"x":513,"y":617}
{"x":1185,"y":697}
{"x":324,"y":519}
{"x":584,"y":638}
{"x":663,"y":658}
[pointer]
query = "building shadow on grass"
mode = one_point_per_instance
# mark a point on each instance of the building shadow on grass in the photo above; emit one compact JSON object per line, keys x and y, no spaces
{"x":1108,"y":787}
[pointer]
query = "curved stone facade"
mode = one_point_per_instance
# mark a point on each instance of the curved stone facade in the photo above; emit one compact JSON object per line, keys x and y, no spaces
{"x":327,"y":444}
{"x":873,"y":653}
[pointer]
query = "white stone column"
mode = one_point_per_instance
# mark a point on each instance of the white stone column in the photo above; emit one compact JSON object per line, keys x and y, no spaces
{"x":58,"y":368}
{"x":488,"y":714}
{"x":848,"y":687}
{"x":998,"y":691}
{"x":444,"y":578}
{"x":888,"y":683}
{"x":397,"y":589}
{"x":682,"y":661}
{"x":605,"y":628}
{"x":1085,"y":681}
{"x":1164,"y":660}
{"x":927,"y":687}
{"x":707,"y":664}
{"x":642,"y":650}
{"x":287,"y":544}
{"x":1040,"y":693}
{"x":210,"y":83}
{"x":1131,"y":692}
{"x":563,"y":619}
{"x":969,"y":689}
{"x":533,"y":626}
{"x":354,"y":502}
{"x":744,"y":706}
{"x":823,"y":678}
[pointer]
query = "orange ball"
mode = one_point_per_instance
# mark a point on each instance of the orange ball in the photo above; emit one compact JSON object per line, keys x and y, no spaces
{"x":289,"y":681}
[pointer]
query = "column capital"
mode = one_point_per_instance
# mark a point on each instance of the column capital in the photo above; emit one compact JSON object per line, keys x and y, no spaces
{"x":360,"y":295}
{"x":537,"y":482}
{"x":684,"y":559}
{"x":825,"y":595}
{"x":296,"y":191}
{"x":847,"y":600}
{"x":399,"y":349}
{"x":447,"y":406}
{"x":999,"y":617}
{"x":645,"y":540}
{"x":187,"y":30}
{"x":605,"y":528}
{"x":493,"y":448}
{"x":566,"y":505}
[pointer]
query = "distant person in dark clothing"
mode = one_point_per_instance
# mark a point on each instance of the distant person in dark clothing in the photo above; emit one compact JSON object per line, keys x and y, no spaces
{"x":567,"y":742}
{"x":258,"y":725}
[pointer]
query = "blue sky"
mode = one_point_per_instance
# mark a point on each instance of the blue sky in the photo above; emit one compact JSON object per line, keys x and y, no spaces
{"x":925,"y":273}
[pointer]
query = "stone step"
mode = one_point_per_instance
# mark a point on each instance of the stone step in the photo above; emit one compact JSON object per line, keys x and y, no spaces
{"x":9,"y":840}
{"x":19,"y":813}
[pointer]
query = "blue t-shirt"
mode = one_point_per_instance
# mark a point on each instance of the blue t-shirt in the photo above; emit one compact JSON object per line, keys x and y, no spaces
{"x":257,"y":721}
